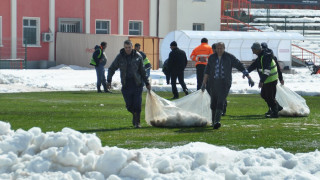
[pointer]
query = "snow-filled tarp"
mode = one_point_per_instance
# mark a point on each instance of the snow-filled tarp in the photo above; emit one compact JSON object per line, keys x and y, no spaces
{"x":191,"y":110}
{"x":293,"y":104}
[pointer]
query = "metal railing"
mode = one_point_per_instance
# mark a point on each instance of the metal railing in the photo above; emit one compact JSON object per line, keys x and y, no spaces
{"x":6,"y":59}
{"x":304,"y":55}
{"x":231,"y":24}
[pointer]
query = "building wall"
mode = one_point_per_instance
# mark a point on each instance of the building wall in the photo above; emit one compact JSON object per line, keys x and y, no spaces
{"x":181,"y":14}
{"x":137,"y":11}
{"x":6,"y":17}
{"x":167,"y":17}
{"x":106,"y":10}
{"x":207,"y":12}
{"x":173,"y":15}
{"x":28,"y":10}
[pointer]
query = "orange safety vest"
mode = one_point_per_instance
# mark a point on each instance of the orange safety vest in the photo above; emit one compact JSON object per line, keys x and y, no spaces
{"x":203,"y":51}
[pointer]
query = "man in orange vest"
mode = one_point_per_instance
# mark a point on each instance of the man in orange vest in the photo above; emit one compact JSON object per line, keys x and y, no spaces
{"x":200,"y":55}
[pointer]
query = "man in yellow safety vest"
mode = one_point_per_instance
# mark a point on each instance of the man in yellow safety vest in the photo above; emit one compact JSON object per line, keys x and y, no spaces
{"x":268,"y":73}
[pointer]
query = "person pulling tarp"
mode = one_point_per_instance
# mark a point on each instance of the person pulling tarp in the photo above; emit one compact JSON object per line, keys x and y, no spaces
{"x":178,"y":113}
{"x":293,"y":104}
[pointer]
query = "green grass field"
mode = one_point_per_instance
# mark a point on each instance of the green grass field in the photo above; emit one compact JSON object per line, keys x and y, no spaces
{"x":243,"y":127}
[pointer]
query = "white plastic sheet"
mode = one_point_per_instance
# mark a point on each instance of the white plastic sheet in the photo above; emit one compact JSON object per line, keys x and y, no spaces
{"x":293,"y":104}
{"x":191,"y":110}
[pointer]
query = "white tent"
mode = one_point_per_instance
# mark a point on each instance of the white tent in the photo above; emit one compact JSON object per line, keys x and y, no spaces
{"x":237,"y":43}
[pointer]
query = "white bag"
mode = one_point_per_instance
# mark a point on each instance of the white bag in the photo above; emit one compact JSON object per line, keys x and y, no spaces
{"x":191,"y":110}
{"x":293,"y":104}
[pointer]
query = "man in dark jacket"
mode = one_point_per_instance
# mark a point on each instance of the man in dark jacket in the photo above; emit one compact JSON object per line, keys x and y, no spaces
{"x":219,"y":70}
{"x":268,"y":73}
{"x":146,"y":63}
{"x":166,"y":71}
{"x":100,"y":60}
{"x":177,"y":62}
{"x":264,"y":46}
{"x":133,"y":76}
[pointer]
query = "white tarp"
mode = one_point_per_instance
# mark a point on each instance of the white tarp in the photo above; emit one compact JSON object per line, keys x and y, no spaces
{"x":191,"y":110}
{"x":293,"y":104}
{"x":237,"y":43}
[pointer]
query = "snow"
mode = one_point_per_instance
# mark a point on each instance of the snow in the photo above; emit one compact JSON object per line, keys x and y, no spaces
{"x":75,"y":78}
{"x":69,"y":154}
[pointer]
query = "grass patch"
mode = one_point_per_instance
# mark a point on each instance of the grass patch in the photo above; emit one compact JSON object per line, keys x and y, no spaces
{"x":243,"y":127}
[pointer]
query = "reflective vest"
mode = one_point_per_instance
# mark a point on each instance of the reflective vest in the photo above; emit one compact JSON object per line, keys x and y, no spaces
{"x":146,"y":64}
{"x":272,"y":73}
{"x":92,"y":61}
{"x":146,"y":61}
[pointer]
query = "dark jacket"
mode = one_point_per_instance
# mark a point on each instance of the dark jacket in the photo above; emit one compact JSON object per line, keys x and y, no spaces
{"x":228,"y":61}
{"x":266,"y":63}
{"x":120,"y":62}
{"x":177,"y":61}
{"x":102,"y":60}
{"x":165,"y":69}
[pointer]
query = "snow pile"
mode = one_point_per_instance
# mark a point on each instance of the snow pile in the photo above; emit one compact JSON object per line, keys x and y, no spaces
{"x":70,"y":154}
{"x":74,"y":78}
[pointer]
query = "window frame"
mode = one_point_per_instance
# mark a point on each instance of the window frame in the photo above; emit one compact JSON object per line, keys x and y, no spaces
{"x":73,"y":20}
{"x":141,"y":26}
{"x":197,"y":24}
{"x":38,"y":37}
{"x":103,"y":20}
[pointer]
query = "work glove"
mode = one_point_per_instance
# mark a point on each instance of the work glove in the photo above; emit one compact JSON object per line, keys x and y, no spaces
{"x":251,"y":82}
{"x":203,"y":87}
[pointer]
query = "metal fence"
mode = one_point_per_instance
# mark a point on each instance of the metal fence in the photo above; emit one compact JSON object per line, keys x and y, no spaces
{"x":10,"y":59}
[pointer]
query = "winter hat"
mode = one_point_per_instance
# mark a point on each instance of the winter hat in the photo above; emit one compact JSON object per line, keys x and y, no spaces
{"x":173,"y":43}
{"x":264,"y":45}
{"x":256,"y":46}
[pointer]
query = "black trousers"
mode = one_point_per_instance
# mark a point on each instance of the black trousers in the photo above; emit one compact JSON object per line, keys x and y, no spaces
{"x":268,"y":93}
{"x":219,"y":91}
{"x":200,"y":73}
{"x":180,"y":76}
{"x":132,"y":95}
{"x":168,"y":78}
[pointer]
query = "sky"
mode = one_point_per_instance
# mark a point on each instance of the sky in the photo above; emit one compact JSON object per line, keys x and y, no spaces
{"x":69,"y":154}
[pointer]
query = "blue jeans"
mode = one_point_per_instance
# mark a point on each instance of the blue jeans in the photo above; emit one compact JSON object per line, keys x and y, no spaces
{"x":101,"y":78}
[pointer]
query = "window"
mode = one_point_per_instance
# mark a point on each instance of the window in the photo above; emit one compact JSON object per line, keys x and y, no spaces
{"x":71,"y":25}
{"x":31,"y":31}
{"x":102,"y":27}
{"x":135,"y":28}
{"x":198,"y":27}
{"x":0,"y":30}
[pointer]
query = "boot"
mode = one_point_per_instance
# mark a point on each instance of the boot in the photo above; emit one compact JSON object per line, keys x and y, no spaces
{"x":274,"y":112}
{"x":268,"y":112}
{"x":279,"y":107}
{"x":99,"y":90}
{"x":186,"y":91}
{"x":106,"y":90}
{"x":136,"y":117}
{"x":217,"y":118}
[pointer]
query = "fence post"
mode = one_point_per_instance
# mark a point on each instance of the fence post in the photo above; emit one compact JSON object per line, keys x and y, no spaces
{"x":25,"y":54}
{"x":285,"y":24}
{"x":303,"y":28}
